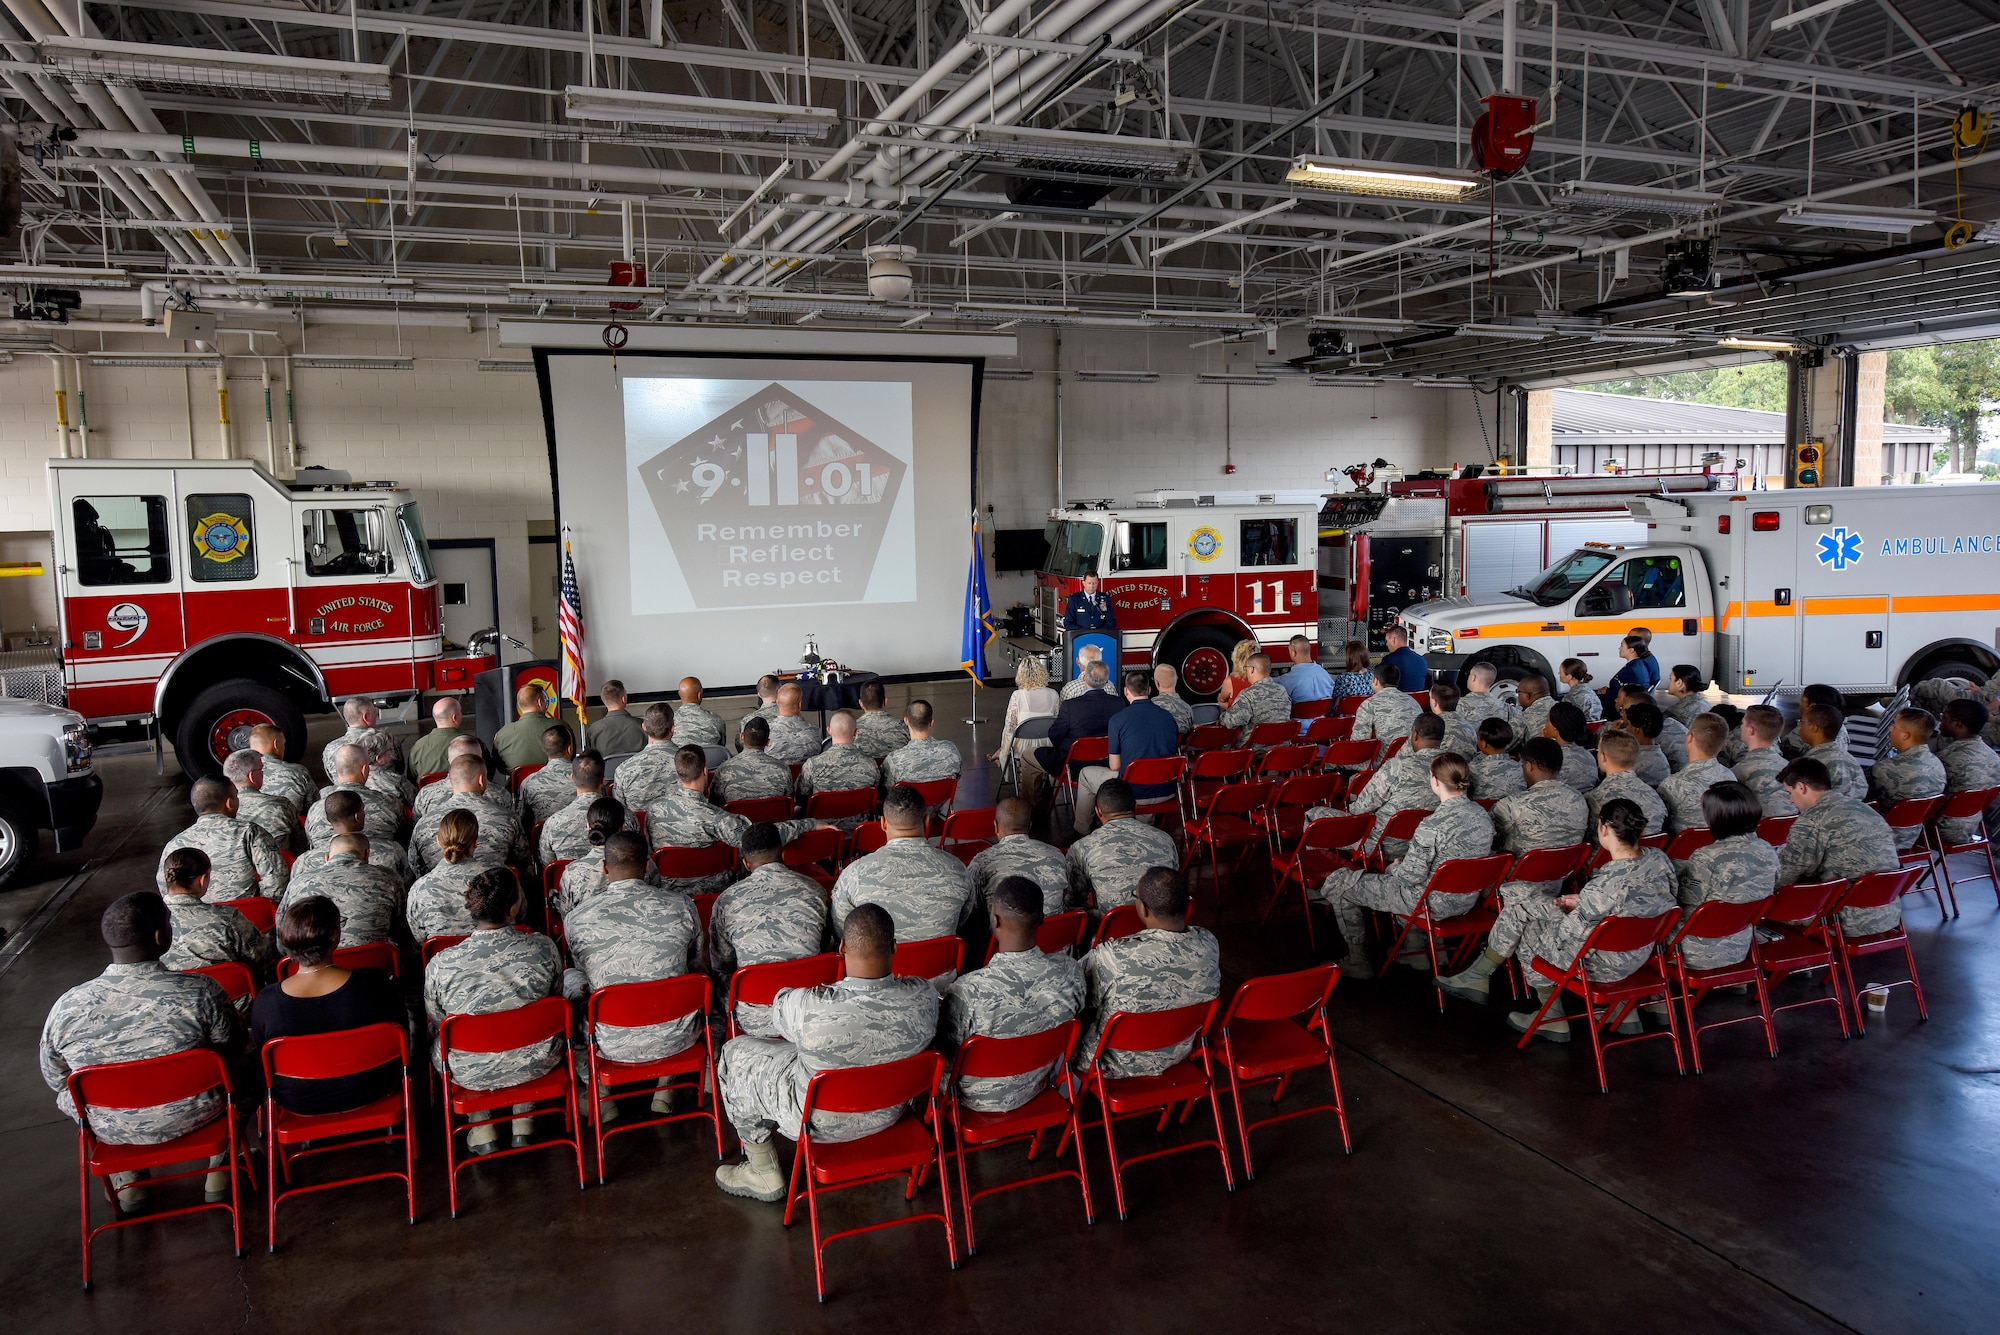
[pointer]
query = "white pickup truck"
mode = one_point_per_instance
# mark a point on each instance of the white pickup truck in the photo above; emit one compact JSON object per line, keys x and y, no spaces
{"x":1868,"y":589}
{"x":46,"y":782}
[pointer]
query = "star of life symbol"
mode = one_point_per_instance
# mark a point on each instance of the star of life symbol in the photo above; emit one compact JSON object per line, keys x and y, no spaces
{"x":1839,"y":549}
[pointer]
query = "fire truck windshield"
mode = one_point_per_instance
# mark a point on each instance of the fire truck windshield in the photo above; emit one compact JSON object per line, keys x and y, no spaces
{"x":411,"y":521}
{"x":1560,"y":581}
{"x":1073,"y":548}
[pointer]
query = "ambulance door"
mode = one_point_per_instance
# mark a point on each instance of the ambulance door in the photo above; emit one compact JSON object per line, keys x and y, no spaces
{"x":352,"y":594}
{"x":118,"y":585}
{"x":1646,"y":589}
{"x":1770,"y":607}
{"x":1842,"y":625}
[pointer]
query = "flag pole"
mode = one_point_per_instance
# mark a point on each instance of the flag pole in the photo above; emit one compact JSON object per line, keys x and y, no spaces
{"x":978,"y":628}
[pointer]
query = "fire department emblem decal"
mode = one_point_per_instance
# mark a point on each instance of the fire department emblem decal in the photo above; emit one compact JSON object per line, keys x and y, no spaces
{"x":1204,"y":544}
{"x":221,"y":538}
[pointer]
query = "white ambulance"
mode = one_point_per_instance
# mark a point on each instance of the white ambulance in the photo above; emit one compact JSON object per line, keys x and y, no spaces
{"x":1865,"y":588}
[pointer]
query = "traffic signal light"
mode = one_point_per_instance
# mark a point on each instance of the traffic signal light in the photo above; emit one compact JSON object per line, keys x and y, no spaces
{"x":1807,"y":461}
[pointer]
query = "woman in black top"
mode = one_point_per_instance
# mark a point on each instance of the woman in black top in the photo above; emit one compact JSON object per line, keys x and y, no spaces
{"x":320,"y":999}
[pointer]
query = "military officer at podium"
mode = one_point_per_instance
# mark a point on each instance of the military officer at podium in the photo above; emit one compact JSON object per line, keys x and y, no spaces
{"x":1090,"y":610}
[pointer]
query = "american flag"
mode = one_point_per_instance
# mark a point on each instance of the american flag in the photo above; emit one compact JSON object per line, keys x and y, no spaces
{"x":569,"y":616}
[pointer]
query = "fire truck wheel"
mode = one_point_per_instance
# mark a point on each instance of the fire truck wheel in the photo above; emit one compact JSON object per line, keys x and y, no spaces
{"x":17,"y":844}
{"x":219,"y":721}
{"x":1201,"y":655}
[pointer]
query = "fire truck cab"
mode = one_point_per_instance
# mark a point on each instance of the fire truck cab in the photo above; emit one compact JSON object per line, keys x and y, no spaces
{"x":1189,"y":577}
{"x":204,"y":597}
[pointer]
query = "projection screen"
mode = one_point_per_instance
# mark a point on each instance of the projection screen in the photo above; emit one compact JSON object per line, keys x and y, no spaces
{"x":720,"y":508}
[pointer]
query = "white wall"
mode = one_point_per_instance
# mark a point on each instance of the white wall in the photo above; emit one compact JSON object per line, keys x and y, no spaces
{"x":471,"y":443}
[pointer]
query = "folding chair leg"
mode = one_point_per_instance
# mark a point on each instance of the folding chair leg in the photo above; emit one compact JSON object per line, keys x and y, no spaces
{"x":1923,"y":1012}
{"x":1242,"y":1130}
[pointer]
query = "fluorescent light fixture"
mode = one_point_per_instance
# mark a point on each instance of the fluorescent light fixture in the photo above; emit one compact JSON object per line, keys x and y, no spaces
{"x":516,"y":364}
{"x":1750,"y":343}
{"x":1278,"y":368}
{"x":1810,"y":12}
{"x":1206,"y":319}
{"x":1364,"y":324}
{"x":1858,"y":218}
{"x":1012,"y":308}
{"x":1441,"y":382}
{"x":195,"y":67}
{"x":591,"y":293}
{"x":342,"y":363}
{"x":1160,"y":252}
{"x":27,"y":342}
{"x":324,"y":287}
{"x":1601,"y":195}
{"x":1637,"y":336}
{"x":1009,"y":373}
{"x":1221,"y":379}
{"x":1120,"y":377}
{"x":56,"y":275}
{"x":715,"y":114}
{"x":1382,"y":178}
{"x":1515,"y":332}
{"x":180,"y":361}
{"x":1347,"y":381}
{"x":1073,"y":149}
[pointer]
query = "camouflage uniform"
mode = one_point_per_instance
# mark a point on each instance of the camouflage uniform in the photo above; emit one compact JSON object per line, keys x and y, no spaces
{"x":369,"y":898}
{"x":1533,"y":719}
{"x":436,"y":904}
{"x":566,"y":834}
{"x":1739,"y":870}
{"x":1404,"y":784}
{"x":273,"y":815}
{"x":130,"y":1012}
{"x":206,"y":933}
{"x":1019,"y":992}
{"x":636,"y":933}
{"x":391,"y":785}
{"x":646,"y":777}
{"x":1579,"y":769}
{"x":501,"y":838}
{"x":835,"y":769}
{"x":584,"y":877}
{"x":1683,"y":709}
{"x":429,"y":798}
{"x":494,"y":969}
{"x":924,"y":889}
{"x":1683,"y":792}
{"x":793,"y":738}
{"x":1633,"y":789}
{"x":1795,"y":746}
{"x":546,"y":791}
{"x":751,"y":774}
{"x":1585,"y":699}
{"x":1846,"y":772}
{"x":772,"y":914}
{"x":854,"y":1022}
{"x":1475,"y":708}
{"x":1641,"y":887}
{"x":1497,"y":776}
{"x":1905,"y":774}
{"x":695,"y":726}
{"x":686,"y":819}
{"x":1549,"y":814}
{"x":1385,"y":716}
{"x":1154,"y":970}
{"x":368,"y":739}
{"x":1024,"y":855}
{"x":242,"y":859}
{"x":1673,"y":744}
{"x":1758,"y":771}
{"x":766,"y":710}
{"x":1969,"y":765}
{"x":381,"y":815}
{"x":289,"y":783}
{"x":1460,"y":828}
{"x":1107,"y":863}
{"x":1262,"y":701}
{"x":384,"y":853}
{"x":1652,"y":765}
{"x":923,"y":761}
{"x":1841,"y":839}
{"x":1183,"y":712}
{"x":1458,"y":738}
{"x":878,"y":732}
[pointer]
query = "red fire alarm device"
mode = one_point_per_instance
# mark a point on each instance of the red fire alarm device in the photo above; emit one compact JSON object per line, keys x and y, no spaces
{"x":1503,"y":134}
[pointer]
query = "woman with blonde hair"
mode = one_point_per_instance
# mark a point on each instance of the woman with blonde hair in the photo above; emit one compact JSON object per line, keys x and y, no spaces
{"x":1239,"y":670}
{"x":1032,"y":698}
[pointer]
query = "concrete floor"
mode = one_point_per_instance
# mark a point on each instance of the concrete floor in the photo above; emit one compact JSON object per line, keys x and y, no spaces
{"x":1846,"y":1185}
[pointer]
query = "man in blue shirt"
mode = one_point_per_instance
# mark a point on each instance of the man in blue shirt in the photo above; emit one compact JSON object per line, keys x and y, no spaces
{"x":1140,"y":731}
{"x":1306,"y":680}
{"x":1090,"y":610}
{"x":1412,"y":673}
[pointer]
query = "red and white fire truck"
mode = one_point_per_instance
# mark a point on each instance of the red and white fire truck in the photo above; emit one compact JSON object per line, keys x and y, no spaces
{"x":205,"y":597}
{"x":1190,"y":574}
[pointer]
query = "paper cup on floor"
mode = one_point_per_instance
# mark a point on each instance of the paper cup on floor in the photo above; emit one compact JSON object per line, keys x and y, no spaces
{"x":1876,"y":998}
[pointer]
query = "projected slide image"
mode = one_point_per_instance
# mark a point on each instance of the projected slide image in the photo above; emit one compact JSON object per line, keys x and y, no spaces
{"x":770,"y":493}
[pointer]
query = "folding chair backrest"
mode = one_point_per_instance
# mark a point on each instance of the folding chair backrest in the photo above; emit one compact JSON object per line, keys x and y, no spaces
{"x":1395,"y":745}
{"x":1152,"y":771}
{"x":1329,"y":729}
{"x":1470,"y":876}
{"x":704,"y":909}
{"x":984,"y":1057}
{"x":861,"y":1089}
{"x":928,"y":959}
{"x":1549,"y":864}
{"x":236,"y":981}
{"x":1911,"y":811}
{"x":1088,"y":751}
{"x":1349,"y":752}
{"x":841,"y":804}
{"x":688,"y":864}
{"x":813,"y":846}
{"x":1287,"y":759}
{"x":717,"y":757}
{"x":521,"y":774}
{"x":1714,"y":919}
{"x":1423,"y":699}
{"x":429,"y":779}
{"x":552,"y":875}
{"x":1237,"y":798}
{"x":1121,"y":921}
{"x":631,"y":1005}
{"x":1282,"y":996}
{"x":503,"y":1031}
{"x":1808,"y":901}
{"x":332,"y":1055}
{"x":1062,"y":932}
{"x":1343,"y":831}
{"x":939,"y":792}
{"x":1402,"y":825}
{"x":1659,"y":841}
{"x":1359,"y":780}
{"x":759,"y":809}
{"x":1688,"y":842}
{"x":869,"y":836}
{"x":262,"y":912}
{"x":1966,"y":805}
{"x":968,"y":827}
{"x":1307,"y":790}
{"x":1621,"y":933}
{"x":1305,"y":709}
{"x":1773,"y":830}
{"x":1350,"y":704}
{"x":379,"y":955}
{"x":1878,"y":889}
{"x":757,"y":984}
{"x":1211,"y":737}
{"x":1035,"y":729}
{"x":148,"y":1082}
{"x":1273,"y":734}
{"x":432,"y":945}
{"x":1150,"y":1031}
{"x":1220,"y":764}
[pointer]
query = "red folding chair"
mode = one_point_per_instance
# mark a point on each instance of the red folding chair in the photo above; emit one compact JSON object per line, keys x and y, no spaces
{"x":520,"y":774}
{"x":1802,"y":916}
{"x":1311,"y":709}
{"x":1918,"y":813}
{"x":1322,"y":848}
{"x":1210,"y":737}
{"x":236,"y":979}
{"x":1685,"y":844}
{"x":630,"y":1006}
{"x":1208,"y":771}
{"x":842,"y":804}
{"x":262,"y":912}
{"x":1273,"y":734}
{"x":1121,"y":921}
{"x":1605,"y":1005}
{"x":1082,"y":751}
{"x":867,"y":837}
{"x":429,"y":779}
{"x":1400,"y":826}
{"x":940,"y":792}
{"x":1292,"y":799}
{"x":776,"y":810}
{"x":1714,"y":920}
{"x":433,"y":944}
{"x":982,"y":1057}
{"x":1774,"y":830}
{"x":1057,"y":935}
{"x":906,"y":1149}
{"x":1423,"y":699}
{"x":1454,"y":876}
{"x":1322,"y":731}
{"x":1263,"y":1042}
{"x":148,"y":1083}
{"x":1349,"y":705}
{"x":1659,"y":841}
{"x":929,"y":958}
{"x":391,"y":1119}
{"x":1877,"y":890}
{"x":1232,"y":818}
{"x":552,"y":877}
{"x":816,"y":853}
{"x":1120,"y":1098}
{"x":1155,"y":772}
{"x":967,"y":834}
{"x":1357,"y":781}
{"x":502,"y":1031}
{"x":694,"y":864}
{"x":1969,"y":805}
{"x":1283,"y":761}
{"x":1395,"y":744}
{"x":759,"y":984}
{"x":379,"y":955}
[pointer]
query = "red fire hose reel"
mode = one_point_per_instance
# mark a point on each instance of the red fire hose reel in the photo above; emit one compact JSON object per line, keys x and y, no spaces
{"x":1503,"y":134}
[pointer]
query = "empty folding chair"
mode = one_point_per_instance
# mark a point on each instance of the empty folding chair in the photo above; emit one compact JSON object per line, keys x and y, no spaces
{"x":1967,"y":806}
{"x":389,"y":1120}
{"x":1802,"y":918}
{"x":1323,"y":847}
{"x":541,"y":1021}
{"x":1283,"y":761}
{"x":1189,"y":1079}
{"x":1290,"y":802}
{"x":1275,"y":1028}
{"x":1231,"y":818}
{"x":1873,"y":891}
{"x":1205,"y":713}
{"x":1350,"y":754}
{"x":982,"y":1057}
{"x":1717,"y":920}
{"x":1208,"y":771}
{"x":1605,"y":1005}
{"x":1031,"y":730}
{"x":635,"y":1005}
